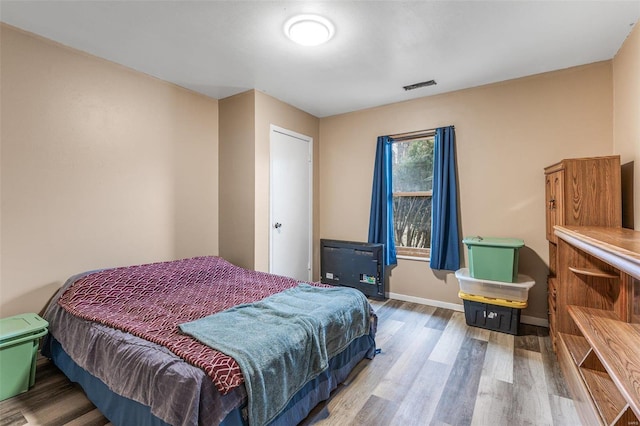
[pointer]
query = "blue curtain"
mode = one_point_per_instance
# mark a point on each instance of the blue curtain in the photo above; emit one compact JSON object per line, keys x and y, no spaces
{"x":381,"y":216}
{"x":445,"y":238}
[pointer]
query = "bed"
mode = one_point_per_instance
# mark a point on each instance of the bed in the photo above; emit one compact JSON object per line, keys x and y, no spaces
{"x":129,"y":337}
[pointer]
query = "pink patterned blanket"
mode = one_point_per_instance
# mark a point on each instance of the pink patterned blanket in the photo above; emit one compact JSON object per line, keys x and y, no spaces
{"x":150,"y":301}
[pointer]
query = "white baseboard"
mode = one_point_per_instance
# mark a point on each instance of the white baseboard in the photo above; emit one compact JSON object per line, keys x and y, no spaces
{"x":526,"y":319}
{"x":429,"y":302}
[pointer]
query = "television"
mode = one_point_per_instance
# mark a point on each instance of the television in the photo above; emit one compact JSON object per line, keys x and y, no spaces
{"x":354,"y":264}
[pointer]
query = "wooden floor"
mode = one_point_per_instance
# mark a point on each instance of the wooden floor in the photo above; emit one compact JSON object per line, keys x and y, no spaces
{"x":433,"y":369}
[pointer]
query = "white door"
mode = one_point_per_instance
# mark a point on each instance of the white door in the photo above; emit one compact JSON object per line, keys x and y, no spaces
{"x":291,"y":200}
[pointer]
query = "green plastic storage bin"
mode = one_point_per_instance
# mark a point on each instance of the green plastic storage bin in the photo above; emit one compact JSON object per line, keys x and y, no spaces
{"x":494,"y":259}
{"x":19,"y":336}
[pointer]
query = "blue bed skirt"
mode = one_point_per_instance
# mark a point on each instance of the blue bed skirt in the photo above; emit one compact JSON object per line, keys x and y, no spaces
{"x":124,"y":411}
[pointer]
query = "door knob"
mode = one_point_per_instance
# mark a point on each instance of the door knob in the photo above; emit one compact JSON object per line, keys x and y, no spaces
{"x":277,"y":225}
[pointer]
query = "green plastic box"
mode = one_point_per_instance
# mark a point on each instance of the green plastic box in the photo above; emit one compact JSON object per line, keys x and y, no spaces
{"x":494,"y":259}
{"x":19,"y":337}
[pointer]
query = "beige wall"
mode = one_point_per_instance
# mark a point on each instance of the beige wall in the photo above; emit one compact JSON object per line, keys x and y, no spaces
{"x":626,"y":110}
{"x":104,"y":166}
{"x":101,"y":166}
{"x":506,"y":134}
{"x":245,"y":126}
{"x":237,"y":176}
{"x":272,"y":111}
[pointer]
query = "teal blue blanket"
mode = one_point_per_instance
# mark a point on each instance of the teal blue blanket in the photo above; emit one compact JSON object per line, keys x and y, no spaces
{"x":285,"y":340}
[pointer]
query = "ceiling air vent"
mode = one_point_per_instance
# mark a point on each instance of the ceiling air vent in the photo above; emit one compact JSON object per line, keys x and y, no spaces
{"x":418,"y":85}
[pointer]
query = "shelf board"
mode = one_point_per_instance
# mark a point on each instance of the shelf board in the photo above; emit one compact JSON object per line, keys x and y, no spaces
{"x":578,"y":347}
{"x":619,"y":247}
{"x":610,"y":404}
{"x":593,"y":272}
{"x":585,"y":406}
{"x":616,"y":344}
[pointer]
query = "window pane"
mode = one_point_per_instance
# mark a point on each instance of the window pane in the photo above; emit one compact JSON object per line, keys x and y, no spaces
{"x":412,"y":165}
{"x":412,"y":221}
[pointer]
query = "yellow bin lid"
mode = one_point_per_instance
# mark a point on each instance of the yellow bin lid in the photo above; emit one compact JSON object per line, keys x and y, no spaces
{"x":493,"y":301}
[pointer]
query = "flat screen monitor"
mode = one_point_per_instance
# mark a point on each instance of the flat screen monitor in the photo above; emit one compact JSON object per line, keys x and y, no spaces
{"x":353,"y":264}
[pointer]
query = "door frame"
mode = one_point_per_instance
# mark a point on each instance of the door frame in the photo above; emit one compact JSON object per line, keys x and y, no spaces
{"x":308,"y":139}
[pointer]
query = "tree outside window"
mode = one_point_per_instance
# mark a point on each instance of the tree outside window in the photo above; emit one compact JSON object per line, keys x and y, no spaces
{"x":412,"y":168}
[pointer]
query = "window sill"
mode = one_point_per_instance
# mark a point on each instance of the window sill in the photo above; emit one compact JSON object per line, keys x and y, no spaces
{"x":415,"y":258}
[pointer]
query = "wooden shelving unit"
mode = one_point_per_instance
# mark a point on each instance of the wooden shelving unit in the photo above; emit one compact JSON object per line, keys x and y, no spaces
{"x":578,"y":192}
{"x":606,"y":356}
{"x":598,"y":335}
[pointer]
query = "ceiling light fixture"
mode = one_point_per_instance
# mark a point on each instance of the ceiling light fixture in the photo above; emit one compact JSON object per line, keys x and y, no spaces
{"x":309,"y":30}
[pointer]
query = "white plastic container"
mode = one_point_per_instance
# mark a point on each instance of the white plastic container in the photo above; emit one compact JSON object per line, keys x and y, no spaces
{"x":517,"y":291}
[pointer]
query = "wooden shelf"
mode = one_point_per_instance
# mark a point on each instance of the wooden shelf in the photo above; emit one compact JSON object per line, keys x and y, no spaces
{"x":610,"y":404}
{"x":618,"y":247}
{"x":616,"y":345}
{"x":578,"y":347}
{"x":592,"y":272}
{"x":594,"y":311}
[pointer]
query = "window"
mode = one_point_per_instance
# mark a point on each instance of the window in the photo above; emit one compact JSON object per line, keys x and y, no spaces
{"x":412,"y":178}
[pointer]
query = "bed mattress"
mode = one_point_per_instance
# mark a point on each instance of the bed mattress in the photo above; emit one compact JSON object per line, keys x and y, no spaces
{"x":170,"y":389}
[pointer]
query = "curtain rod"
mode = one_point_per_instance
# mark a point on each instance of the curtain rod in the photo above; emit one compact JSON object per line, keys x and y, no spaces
{"x":412,"y":135}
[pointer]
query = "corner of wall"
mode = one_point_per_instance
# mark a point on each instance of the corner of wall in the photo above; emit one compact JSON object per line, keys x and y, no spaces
{"x":270,"y":110}
{"x":626,"y":110}
{"x":236,"y":176}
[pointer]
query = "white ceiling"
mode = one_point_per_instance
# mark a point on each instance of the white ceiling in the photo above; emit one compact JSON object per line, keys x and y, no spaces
{"x":220,"y":48}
